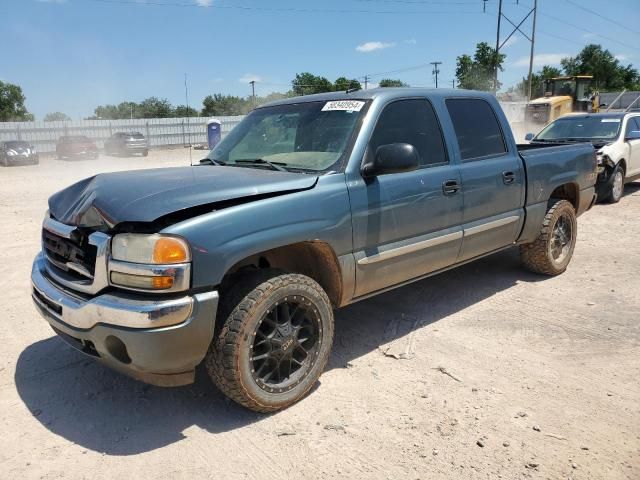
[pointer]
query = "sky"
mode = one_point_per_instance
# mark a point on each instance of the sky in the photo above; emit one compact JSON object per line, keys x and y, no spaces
{"x":72,"y":55}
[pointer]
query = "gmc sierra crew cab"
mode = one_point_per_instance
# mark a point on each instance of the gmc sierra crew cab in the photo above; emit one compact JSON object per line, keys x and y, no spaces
{"x":309,"y":204}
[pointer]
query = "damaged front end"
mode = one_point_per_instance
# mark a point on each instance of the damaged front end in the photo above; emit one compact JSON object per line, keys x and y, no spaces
{"x":149,"y":200}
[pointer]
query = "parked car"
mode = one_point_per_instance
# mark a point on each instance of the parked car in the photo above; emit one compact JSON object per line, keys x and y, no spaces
{"x":76,"y":146}
{"x":309,"y":204}
{"x":121,"y":143}
{"x":616,"y":136}
{"x":16,"y":152}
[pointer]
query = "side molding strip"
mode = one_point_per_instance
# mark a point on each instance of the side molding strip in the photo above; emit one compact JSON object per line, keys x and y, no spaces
{"x":490,"y":225}
{"x":414,"y":247}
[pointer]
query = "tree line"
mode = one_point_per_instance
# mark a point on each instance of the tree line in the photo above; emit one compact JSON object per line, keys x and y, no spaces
{"x":474,"y":72}
{"x":609,"y":74}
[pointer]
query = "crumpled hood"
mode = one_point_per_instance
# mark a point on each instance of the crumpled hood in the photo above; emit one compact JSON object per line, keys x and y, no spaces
{"x":107,"y":199}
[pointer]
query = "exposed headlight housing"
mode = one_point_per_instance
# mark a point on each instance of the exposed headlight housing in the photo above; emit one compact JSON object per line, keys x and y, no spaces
{"x":152,"y":249}
{"x":599,"y":157}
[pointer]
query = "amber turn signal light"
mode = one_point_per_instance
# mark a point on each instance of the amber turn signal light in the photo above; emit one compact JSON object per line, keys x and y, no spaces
{"x":170,"y":250}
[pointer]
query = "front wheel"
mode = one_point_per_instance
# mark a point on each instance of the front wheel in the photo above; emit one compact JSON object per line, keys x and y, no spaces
{"x":275,"y":342}
{"x":551,"y":252}
{"x":616,"y":185}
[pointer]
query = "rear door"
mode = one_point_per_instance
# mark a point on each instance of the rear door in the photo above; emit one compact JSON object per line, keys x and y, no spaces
{"x":492,"y":178}
{"x":406,"y":224}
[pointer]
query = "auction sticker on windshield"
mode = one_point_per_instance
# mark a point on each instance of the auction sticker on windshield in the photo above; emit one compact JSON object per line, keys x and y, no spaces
{"x":343,"y":105}
{"x":610,"y":120}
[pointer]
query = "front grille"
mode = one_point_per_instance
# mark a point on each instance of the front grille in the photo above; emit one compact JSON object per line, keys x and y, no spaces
{"x":75,"y":256}
{"x":537,"y":113}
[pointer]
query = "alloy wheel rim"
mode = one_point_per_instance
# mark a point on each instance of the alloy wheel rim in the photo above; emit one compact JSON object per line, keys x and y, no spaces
{"x":561,"y":239}
{"x":286,"y":344}
{"x":617,"y":184}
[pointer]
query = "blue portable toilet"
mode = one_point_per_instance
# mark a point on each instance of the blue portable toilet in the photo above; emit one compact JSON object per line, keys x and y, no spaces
{"x":214,"y":132}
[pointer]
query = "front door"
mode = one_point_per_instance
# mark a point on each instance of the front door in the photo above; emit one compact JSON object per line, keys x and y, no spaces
{"x":406,"y":224}
{"x":633,"y":168}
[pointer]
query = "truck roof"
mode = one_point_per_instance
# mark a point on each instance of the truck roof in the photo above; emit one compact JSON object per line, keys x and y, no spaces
{"x":386,"y":93}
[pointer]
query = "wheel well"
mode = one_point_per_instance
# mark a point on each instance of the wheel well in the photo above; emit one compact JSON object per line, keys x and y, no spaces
{"x":623,"y":164}
{"x":314,"y":259}
{"x":568,"y":191}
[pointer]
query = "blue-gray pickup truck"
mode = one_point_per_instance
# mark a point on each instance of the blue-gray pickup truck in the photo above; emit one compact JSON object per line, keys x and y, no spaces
{"x":309,"y":204}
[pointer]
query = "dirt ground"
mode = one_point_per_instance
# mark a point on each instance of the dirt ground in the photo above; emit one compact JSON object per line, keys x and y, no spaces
{"x":485,"y":371}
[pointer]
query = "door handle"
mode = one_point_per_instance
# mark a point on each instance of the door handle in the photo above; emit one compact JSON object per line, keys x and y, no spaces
{"x":508,"y":177}
{"x":450,"y":187}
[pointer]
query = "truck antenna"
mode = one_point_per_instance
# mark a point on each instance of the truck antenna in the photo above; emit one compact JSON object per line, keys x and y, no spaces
{"x":186,"y":99}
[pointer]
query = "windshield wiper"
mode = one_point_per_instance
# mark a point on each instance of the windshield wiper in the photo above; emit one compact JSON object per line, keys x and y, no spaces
{"x":212,"y":161}
{"x":262,"y":161}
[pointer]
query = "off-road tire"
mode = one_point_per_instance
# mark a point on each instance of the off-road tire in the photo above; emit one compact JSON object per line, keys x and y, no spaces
{"x":536,"y":256}
{"x":245,"y":303}
{"x":613,"y":195}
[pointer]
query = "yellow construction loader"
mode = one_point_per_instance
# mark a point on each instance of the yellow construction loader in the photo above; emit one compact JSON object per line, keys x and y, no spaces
{"x":563,"y":95}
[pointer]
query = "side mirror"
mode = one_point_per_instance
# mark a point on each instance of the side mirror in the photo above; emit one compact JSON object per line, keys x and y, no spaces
{"x":632,"y":135}
{"x":528,"y":137}
{"x":392,"y":158}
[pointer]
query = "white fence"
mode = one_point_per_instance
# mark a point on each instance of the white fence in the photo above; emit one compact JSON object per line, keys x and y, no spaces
{"x":160,"y":132}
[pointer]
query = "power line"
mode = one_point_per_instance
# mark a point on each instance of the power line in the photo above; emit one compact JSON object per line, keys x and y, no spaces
{"x":599,"y":15}
{"x":156,"y":3}
{"x":420,"y":2}
{"x":401,"y":70}
{"x":577,"y":27}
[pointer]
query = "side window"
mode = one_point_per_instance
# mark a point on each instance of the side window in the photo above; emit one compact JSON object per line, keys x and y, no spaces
{"x":632,"y":124}
{"x":477,"y":128}
{"x":413,"y":122}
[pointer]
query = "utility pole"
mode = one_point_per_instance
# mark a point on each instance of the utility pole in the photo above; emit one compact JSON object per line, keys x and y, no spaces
{"x":366,"y":81}
{"x":253,"y":92}
{"x":453,"y":83}
{"x":495,"y":73}
{"x":533,"y":42}
{"x":186,"y":99}
{"x":516,"y":28}
{"x":436,"y":70}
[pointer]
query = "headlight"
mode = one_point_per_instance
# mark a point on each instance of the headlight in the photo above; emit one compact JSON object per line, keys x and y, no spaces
{"x":11,"y":153}
{"x":150,"y":262}
{"x":153,"y":249}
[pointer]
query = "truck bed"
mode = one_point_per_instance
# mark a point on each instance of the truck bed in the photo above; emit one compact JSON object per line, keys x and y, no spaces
{"x":549,"y":166}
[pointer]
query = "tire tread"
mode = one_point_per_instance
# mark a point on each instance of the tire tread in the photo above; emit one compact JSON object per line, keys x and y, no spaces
{"x":222,"y":359}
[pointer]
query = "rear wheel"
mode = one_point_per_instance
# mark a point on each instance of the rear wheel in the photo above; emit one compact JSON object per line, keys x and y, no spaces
{"x":552,"y":250}
{"x":145,"y":153}
{"x":275,"y":342}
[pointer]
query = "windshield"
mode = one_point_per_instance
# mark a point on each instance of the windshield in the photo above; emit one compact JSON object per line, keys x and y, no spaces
{"x":305,"y":136}
{"x":16,"y":144}
{"x":78,"y":139}
{"x":582,"y":128}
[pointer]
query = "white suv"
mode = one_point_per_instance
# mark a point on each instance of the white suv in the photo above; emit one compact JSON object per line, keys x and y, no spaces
{"x":616,"y":138}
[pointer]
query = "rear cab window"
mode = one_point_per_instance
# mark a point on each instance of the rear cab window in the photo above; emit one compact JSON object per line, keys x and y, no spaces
{"x":477,"y":128}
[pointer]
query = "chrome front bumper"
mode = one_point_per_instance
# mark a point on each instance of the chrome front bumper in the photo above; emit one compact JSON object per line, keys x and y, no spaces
{"x":156,"y":340}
